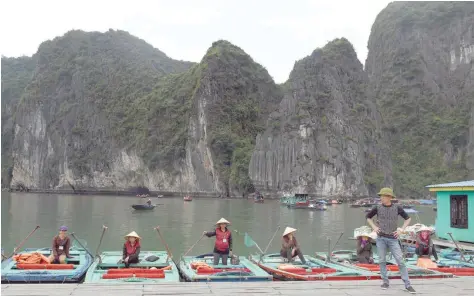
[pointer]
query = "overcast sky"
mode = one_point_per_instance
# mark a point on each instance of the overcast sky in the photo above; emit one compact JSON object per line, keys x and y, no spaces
{"x":275,"y":33}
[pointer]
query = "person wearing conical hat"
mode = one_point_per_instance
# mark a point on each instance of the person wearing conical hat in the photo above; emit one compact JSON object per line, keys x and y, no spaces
{"x":131,"y":249}
{"x":364,"y":248}
{"x":387,"y":235}
{"x":424,"y":243}
{"x":223,"y":244}
{"x":290,"y":247}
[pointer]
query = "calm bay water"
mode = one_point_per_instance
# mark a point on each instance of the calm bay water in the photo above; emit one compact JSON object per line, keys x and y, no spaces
{"x":181,"y":223}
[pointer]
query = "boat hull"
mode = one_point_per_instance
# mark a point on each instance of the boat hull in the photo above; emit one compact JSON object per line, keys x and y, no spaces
{"x":314,"y":270}
{"x":348,"y":258}
{"x":110,"y":263}
{"x":245,"y":270}
{"x":80,"y":259}
{"x":143,"y":207}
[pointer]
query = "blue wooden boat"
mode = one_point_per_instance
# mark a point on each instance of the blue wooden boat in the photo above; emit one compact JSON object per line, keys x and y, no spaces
{"x":111,"y":270}
{"x":314,"y":270}
{"x":348,"y":258}
{"x":81,"y":261}
{"x":201,"y":269}
{"x":141,"y":207}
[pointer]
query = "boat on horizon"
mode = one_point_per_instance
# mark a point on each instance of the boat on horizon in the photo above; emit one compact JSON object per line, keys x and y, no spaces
{"x":141,"y":207}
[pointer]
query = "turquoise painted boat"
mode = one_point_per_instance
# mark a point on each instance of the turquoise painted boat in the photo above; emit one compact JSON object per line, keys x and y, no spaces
{"x":297,"y":200}
{"x":201,"y":269}
{"x":109,"y":270}
{"x":50,"y":273}
{"x":348,"y":258}
{"x":314,"y":269}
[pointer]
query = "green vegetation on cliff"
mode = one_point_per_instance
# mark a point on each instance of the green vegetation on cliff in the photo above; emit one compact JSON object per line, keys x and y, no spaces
{"x":244,"y":95}
{"x":425,"y":106}
{"x":102,"y":92}
{"x":16,"y":74}
{"x":93,"y":90}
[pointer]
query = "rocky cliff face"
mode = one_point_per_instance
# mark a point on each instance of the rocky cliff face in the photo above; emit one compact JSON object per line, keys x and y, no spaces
{"x":420,"y":67}
{"x":325,"y":138}
{"x":16,"y":74}
{"x":109,"y":111}
{"x":69,"y":128}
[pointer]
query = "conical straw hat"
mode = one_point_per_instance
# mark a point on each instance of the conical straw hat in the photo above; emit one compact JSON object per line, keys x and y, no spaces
{"x":222,"y":220}
{"x":132,"y":234}
{"x":288,"y":230}
{"x":424,"y":228}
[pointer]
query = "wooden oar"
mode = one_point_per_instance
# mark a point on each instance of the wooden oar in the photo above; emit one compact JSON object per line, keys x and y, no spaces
{"x":104,"y":228}
{"x":461,"y":253}
{"x":268,"y":245}
{"x":21,"y":244}
{"x":192,"y":247}
{"x":332,"y":249}
{"x":80,"y":244}
{"x":170,"y":256}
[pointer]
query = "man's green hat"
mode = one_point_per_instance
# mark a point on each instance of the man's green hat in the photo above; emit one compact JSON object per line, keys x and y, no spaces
{"x":386,"y":191}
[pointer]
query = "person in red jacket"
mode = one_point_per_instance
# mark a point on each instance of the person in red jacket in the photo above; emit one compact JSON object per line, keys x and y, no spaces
{"x":131,"y":249}
{"x":424,"y":244}
{"x":223,"y":245}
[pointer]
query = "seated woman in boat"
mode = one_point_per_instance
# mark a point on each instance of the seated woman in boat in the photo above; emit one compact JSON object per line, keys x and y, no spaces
{"x":290,"y":247}
{"x":364,"y":249}
{"x":131,"y":249}
{"x":148,"y":202}
{"x":424,"y":244}
{"x":223,"y":245}
{"x":60,"y":248}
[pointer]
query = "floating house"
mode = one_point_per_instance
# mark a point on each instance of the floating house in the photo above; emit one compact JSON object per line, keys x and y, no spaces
{"x":298,"y":199}
{"x":455,"y":213}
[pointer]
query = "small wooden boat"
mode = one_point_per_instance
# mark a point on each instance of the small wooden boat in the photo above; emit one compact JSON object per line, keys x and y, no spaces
{"x":141,"y":207}
{"x":111,"y":271}
{"x":201,"y":269}
{"x":348,"y":258}
{"x":188,"y":198}
{"x":318,"y":206}
{"x":314,"y":269}
{"x":71,"y":272}
{"x":259,"y":200}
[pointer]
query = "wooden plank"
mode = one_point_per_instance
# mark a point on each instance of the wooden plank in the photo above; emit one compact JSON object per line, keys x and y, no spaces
{"x":450,"y":244}
{"x":455,"y":286}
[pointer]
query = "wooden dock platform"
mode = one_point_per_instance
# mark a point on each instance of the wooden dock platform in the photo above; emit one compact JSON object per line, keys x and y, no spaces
{"x":451,"y":287}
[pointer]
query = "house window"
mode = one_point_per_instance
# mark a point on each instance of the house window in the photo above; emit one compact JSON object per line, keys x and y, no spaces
{"x":459,"y":211}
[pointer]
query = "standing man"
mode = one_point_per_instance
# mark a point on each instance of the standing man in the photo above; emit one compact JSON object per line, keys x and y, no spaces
{"x":387,"y":235}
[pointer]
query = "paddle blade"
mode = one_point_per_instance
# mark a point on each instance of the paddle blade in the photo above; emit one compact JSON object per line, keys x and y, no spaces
{"x":248,"y":241}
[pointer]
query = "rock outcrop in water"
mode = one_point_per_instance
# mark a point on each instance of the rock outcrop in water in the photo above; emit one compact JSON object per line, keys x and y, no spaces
{"x":325,"y":138}
{"x":106,"y":111}
{"x":420,"y":67}
{"x":109,"y":111}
